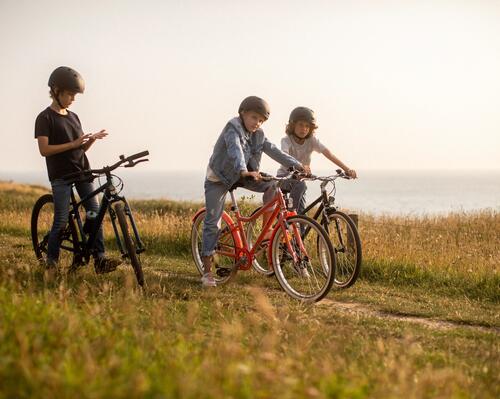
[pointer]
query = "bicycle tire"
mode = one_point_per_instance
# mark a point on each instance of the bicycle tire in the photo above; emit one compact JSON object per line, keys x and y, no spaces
{"x":42,"y":217}
{"x":225,"y":266}
{"x":346,"y":243}
{"x":130,"y":245}
{"x":311,"y":278}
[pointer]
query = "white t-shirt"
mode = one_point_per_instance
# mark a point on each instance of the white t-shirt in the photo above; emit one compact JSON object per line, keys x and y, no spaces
{"x":211,"y":176}
{"x":301,"y":152}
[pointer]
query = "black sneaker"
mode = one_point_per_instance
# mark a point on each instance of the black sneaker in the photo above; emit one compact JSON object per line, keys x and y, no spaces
{"x":106,"y":265}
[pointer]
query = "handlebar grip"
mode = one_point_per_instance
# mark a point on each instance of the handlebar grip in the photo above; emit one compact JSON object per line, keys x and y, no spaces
{"x":138,"y":155}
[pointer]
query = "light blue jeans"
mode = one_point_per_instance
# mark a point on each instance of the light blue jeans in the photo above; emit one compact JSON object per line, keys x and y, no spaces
{"x":215,"y":196}
{"x":61,"y":191}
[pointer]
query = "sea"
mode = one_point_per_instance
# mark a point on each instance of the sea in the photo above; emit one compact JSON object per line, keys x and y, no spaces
{"x":412,"y":193}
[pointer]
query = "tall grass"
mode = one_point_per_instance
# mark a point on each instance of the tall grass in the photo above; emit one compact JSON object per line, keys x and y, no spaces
{"x":91,"y":336}
{"x":457,"y":254}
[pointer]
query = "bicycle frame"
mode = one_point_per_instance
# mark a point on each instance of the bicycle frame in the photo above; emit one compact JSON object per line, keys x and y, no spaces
{"x":279,"y":215}
{"x":323,"y":200}
{"x":110,"y":196}
{"x":326,"y":207}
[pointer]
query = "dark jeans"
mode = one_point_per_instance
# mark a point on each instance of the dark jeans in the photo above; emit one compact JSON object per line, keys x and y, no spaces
{"x":297,"y":191}
{"x":61,"y":191}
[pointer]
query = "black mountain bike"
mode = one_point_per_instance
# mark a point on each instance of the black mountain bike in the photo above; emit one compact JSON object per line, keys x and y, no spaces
{"x":78,"y":238}
{"x":341,"y":229}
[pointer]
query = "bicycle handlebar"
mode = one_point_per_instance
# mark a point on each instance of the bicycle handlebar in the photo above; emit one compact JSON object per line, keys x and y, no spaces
{"x":340,"y":173}
{"x":107,"y":169}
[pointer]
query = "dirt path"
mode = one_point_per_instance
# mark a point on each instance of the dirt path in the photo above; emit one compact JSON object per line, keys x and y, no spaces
{"x":356,"y":308}
{"x":365,"y":310}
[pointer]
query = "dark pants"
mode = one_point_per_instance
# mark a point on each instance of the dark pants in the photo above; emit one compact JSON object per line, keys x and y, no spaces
{"x":297,"y":191}
{"x":61,"y":191}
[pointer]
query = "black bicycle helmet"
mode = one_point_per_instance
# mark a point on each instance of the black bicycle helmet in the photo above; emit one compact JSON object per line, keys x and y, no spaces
{"x":66,"y":78}
{"x":302,"y":114}
{"x":256,"y":104}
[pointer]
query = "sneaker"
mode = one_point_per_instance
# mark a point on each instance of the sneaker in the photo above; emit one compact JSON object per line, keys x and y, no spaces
{"x":305,"y":273}
{"x":302,"y":271}
{"x":207,"y":280}
{"x":50,"y":263}
{"x":105,"y":264}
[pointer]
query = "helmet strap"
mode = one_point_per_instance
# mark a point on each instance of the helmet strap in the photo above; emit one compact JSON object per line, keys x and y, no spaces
{"x":243,"y":123}
{"x":56,"y":97}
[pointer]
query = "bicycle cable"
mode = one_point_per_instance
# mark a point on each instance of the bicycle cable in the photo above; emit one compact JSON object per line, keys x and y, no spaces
{"x":115,"y":180}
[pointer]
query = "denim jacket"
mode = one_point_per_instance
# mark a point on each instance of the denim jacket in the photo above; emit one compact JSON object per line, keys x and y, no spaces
{"x":237,"y":150}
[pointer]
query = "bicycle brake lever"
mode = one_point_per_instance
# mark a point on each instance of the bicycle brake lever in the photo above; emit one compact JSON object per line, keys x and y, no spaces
{"x":131,"y":164}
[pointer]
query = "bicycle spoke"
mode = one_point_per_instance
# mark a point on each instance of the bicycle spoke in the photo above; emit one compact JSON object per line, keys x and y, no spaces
{"x":307,"y":273}
{"x":224,"y":260}
{"x":347,"y":245}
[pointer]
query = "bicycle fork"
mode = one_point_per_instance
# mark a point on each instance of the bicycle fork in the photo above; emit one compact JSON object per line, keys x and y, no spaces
{"x":121,"y":246}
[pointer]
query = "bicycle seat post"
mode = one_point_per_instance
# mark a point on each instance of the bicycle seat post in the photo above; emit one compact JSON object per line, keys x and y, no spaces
{"x":234,"y":206}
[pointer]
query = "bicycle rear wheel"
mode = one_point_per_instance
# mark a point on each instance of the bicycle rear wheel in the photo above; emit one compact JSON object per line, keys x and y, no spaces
{"x":260,"y":262}
{"x":310,"y":275}
{"x":347,"y":246}
{"x":130,"y":245}
{"x":42,"y":217}
{"x":224,"y":261}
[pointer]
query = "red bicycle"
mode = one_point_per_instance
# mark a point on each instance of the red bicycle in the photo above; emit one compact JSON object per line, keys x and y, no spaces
{"x":304,"y":264}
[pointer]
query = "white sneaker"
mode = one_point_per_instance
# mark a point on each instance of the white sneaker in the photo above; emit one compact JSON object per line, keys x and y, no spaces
{"x":302,"y":271}
{"x":207,"y":280}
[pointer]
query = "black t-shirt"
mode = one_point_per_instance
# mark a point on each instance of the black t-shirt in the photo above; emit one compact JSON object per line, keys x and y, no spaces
{"x":61,"y":129}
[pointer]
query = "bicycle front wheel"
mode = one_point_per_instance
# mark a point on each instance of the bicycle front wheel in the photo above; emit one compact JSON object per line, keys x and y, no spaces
{"x":130,"y":245}
{"x":42,"y":218}
{"x":304,"y":265}
{"x":224,"y":260}
{"x":347,"y":246}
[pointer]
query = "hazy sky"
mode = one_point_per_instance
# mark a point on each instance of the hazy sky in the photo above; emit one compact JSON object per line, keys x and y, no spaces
{"x":395,"y":84}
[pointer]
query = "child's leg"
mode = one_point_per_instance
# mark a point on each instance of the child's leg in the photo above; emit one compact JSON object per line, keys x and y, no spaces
{"x":298,"y":194}
{"x":215,"y":195}
{"x":92,"y":205}
{"x":267,"y":198}
{"x":62,"y":194}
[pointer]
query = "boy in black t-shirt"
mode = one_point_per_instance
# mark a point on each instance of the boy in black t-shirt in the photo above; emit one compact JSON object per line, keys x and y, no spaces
{"x":63,"y":144}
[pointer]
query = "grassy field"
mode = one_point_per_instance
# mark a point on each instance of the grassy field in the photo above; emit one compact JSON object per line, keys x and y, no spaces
{"x":423,"y":321}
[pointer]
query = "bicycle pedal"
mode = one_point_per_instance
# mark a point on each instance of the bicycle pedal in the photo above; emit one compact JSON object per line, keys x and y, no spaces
{"x":222,"y":271}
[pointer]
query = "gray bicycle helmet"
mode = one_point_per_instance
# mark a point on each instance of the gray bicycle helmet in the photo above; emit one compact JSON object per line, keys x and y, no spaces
{"x":256,"y":104}
{"x":302,"y":114}
{"x":66,"y":78}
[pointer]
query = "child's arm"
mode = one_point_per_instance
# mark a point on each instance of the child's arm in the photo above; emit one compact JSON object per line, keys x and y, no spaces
{"x":280,"y":156}
{"x":234,"y":150}
{"x":349,"y":172}
{"x":46,"y":149}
